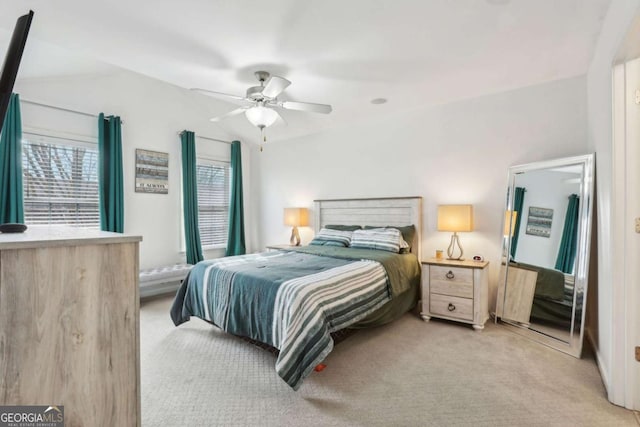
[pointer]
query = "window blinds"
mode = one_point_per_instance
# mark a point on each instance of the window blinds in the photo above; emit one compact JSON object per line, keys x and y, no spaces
{"x":213,"y":201}
{"x":60,"y":181}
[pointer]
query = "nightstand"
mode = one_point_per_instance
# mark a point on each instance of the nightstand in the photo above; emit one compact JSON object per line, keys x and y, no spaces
{"x":280,"y":247}
{"x":456,"y":290}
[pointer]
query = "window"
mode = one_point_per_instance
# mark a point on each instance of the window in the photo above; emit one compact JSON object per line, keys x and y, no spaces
{"x":213,"y":201}
{"x":60,"y":181}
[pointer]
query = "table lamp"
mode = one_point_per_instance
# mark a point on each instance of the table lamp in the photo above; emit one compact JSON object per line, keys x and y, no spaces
{"x":510,"y":218}
{"x":510,"y":223}
{"x":296,"y":217}
{"x":455,"y":218}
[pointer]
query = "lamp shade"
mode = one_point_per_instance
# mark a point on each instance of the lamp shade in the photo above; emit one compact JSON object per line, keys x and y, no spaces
{"x":261,"y":117}
{"x":455,"y":218}
{"x":510,"y":223}
{"x":296,"y":217}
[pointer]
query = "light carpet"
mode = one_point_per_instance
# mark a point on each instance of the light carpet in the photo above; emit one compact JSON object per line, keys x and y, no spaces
{"x":408,"y":373}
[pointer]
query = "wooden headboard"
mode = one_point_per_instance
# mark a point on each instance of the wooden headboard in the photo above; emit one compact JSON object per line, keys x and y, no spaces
{"x":391,"y":211}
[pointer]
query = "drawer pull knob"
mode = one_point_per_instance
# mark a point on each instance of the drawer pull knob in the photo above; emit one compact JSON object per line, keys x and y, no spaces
{"x":450,"y":275}
{"x":451,"y":307}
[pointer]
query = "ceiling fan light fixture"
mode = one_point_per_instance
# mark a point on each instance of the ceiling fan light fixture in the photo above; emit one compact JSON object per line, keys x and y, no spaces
{"x":261,"y":117}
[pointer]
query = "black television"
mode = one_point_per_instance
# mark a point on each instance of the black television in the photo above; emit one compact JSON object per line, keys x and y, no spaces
{"x":12,"y":62}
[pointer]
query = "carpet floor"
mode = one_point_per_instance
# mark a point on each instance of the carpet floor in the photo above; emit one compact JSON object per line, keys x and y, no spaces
{"x":408,"y":373}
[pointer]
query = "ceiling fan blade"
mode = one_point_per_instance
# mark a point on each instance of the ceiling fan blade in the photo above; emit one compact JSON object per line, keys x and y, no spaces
{"x":307,"y":106}
{"x":274,"y":87}
{"x":281,"y":119}
{"x":213,"y":93}
{"x":229,"y":114}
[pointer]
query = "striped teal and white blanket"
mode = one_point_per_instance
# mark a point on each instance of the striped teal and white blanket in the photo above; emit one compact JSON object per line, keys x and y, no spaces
{"x":289,"y":300}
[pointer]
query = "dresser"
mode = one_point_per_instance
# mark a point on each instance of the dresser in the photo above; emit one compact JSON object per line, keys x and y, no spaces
{"x":456,"y":290}
{"x":69,"y":323}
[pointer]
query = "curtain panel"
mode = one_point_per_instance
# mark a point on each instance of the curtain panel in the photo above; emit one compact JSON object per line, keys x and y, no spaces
{"x":190,"y":198}
{"x":568,"y":243}
{"x":235,"y":241}
{"x":110,"y":176}
{"x":11,"y":198}
{"x":518,"y":203}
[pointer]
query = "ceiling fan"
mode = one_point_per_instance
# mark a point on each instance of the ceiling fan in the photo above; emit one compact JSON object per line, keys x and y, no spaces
{"x":262,"y":101}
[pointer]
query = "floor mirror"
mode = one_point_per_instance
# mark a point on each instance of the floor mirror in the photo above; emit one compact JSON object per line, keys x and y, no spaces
{"x":542,"y":289}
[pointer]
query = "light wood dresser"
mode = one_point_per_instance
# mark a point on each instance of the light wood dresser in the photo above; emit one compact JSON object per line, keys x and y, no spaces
{"x":69,"y":324}
{"x":515,"y":297}
{"x":456,"y":290}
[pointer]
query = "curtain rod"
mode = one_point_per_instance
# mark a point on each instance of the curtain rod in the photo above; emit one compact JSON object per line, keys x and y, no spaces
{"x":68,"y":110}
{"x":210,"y":139}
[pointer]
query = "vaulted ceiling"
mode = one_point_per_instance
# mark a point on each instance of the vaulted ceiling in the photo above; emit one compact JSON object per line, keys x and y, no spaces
{"x":340,"y":52}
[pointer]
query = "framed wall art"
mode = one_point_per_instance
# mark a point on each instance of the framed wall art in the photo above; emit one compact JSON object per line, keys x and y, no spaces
{"x":152,"y":172}
{"x":539,"y":221}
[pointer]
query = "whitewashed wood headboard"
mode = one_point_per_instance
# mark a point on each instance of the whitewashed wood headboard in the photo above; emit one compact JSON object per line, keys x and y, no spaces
{"x":386,"y":211}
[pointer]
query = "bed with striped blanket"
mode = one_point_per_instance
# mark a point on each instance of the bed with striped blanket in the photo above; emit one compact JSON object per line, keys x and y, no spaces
{"x":293,"y":300}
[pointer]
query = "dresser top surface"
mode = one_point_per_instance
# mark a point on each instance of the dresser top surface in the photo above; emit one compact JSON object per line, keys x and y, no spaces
{"x":37,"y":236}
{"x":457,"y":263}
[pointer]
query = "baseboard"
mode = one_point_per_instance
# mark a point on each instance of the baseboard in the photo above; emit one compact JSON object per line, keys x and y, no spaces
{"x":596,"y":351}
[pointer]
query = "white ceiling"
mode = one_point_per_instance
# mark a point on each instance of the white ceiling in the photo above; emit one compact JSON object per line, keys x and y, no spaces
{"x":339,"y":52}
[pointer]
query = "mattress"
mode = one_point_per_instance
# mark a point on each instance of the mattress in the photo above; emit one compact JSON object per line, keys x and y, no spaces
{"x":293,"y":300}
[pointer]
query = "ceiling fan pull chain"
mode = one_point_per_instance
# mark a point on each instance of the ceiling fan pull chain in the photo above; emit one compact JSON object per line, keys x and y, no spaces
{"x":264,"y":138}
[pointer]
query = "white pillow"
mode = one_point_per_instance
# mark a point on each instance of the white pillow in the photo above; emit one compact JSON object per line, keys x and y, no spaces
{"x":382,"y":239}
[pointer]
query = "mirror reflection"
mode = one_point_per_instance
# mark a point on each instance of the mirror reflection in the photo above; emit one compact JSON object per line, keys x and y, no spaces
{"x":545,"y":250}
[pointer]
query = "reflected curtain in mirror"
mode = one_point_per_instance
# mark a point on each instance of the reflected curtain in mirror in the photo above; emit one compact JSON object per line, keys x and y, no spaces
{"x":11,"y":202}
{"x":110,"y":181}
{"x":190,"y":198}
{"x":518,"y":202}
{"x":567,"y":251}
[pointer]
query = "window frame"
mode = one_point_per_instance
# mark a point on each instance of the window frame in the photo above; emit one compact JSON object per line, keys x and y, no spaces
{"x":212,"y":161}
{"x":71,"y":141}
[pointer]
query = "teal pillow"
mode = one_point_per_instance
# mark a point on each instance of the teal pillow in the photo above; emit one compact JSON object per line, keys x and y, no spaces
{"x":343,"y":227}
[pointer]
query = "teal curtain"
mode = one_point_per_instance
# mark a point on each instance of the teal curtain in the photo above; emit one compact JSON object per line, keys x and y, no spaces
{"x":518,"y":202}
{"x":110,"y":178}
{"x":190,"y":198}
{"x":568,"y":244}
{"x":235,"y":241}
{"x":11,"y":204}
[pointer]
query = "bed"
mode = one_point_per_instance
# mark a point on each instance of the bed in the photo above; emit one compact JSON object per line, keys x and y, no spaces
{"x":558,"y":310}
{"x":294,"y":299}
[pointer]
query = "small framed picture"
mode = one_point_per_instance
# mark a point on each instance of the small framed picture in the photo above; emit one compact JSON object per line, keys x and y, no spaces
{"x":539,"y":221}
{"x":152,"y":172}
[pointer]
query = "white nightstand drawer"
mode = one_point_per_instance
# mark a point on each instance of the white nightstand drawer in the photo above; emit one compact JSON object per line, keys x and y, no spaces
{"x":451,"y":281}
{"x":451,"y":274}
{"x":456,"y":289}
{"x":445,"y":305}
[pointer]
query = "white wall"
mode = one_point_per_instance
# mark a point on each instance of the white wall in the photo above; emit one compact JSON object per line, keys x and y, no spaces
{"x":608,"y":340}
{"x":454,"y":153}
{"x":153,"y":112}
